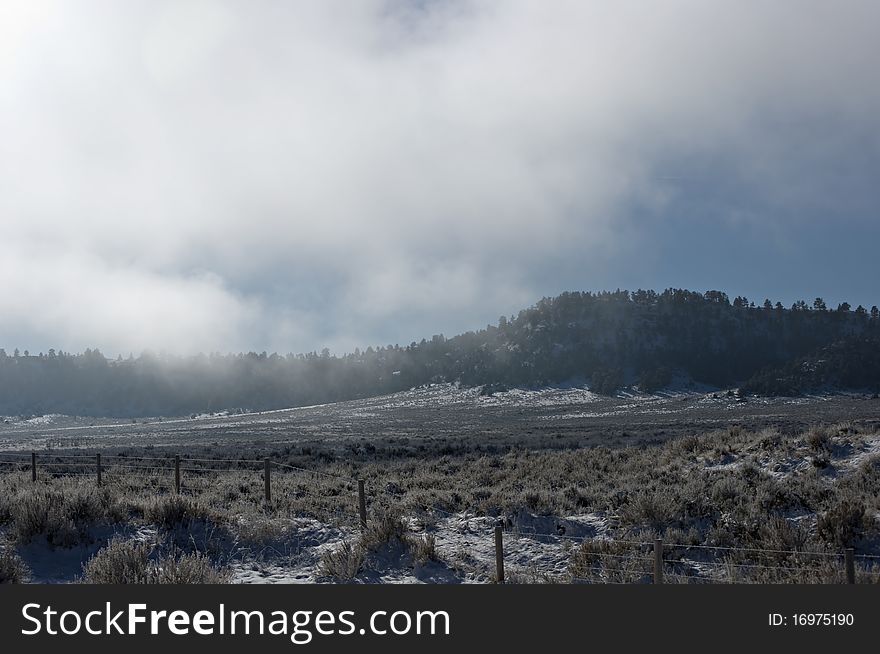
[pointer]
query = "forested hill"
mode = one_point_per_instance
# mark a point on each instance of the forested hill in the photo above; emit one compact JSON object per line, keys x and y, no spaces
{"x":609,"y":340}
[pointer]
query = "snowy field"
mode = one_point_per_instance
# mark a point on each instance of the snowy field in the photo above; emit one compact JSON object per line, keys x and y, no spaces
{"x":446,"y":414}
{"x":452,"y":463}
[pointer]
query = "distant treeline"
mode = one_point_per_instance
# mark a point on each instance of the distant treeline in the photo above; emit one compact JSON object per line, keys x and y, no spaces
{"x":610,"y":340}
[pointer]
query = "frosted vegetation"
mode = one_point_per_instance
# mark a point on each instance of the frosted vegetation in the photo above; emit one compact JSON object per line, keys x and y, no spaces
{"x":571,"y":515}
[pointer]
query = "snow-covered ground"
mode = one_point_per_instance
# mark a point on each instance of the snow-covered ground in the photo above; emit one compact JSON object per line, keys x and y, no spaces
{"x":441,"y":410}
{"x":535,"y":546}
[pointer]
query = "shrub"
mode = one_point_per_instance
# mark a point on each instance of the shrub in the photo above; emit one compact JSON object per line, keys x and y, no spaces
{"x":192,"y":568}
{"x":12,"y":568}
{"x":818,"y":439}
{"x":654,"y":379}
{"x":842,"y":523}
{"x":120,"y":562}
{"x":386,"y":529}
{"x":606,"y":381}
{"x":423,"y":549}
{"x":342,"y":563}
{"x":63,"y":516}
{"x":175,"y":511}
{"x":42,"y":513}
{"x":604,"y":560}
{"x":131,"y":562}
{"x":727,"y":491}
{"x":651,"y":509}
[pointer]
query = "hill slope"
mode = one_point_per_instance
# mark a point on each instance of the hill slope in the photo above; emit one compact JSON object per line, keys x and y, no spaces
{"x":851,"y":363}
{"x":609,"y":339}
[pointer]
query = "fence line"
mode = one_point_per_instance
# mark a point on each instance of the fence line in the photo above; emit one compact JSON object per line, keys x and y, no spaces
{"x":90,"y":457}
{"x":314,"y":472}
{"x":579,"y":539}
{"x":166,"y":459}
{"x":116,"y":467}
{"x":730,"y":564}
{"x":753,"y":549}
{"x":662,"y":565}
{"x":520,"y":533}
{"x":128,"y":466}
{"x":256,"y":461}
{"x":623,"y":557}
{"x":96,"y":465}
{"x":435,"y":509}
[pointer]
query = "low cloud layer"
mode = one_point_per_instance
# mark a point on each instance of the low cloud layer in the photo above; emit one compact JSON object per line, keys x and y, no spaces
{"x":197,"y":176}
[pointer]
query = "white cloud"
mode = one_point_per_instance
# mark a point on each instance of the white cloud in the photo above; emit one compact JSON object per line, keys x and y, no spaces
{"x":289,"y":175}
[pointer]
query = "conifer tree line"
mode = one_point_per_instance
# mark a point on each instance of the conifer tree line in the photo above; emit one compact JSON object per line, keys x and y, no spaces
{"x":642,"y":339}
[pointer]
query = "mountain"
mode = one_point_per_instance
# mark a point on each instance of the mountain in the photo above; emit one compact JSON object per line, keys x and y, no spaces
{"x":610,"y":339}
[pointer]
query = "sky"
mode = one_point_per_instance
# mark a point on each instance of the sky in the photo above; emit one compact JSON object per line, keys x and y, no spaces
{"x":198,"y":176}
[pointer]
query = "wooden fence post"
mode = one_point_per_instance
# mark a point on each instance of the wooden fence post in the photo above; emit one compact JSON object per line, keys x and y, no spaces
{"x":362,"y":503}
{"x":658,"y":560}
{"x":177,"y":474}
{"x":33,"y":466}
{"x":849,"y":559}
{"x":499,"y":555}
{"x":266,"y":480}
{"x":98,"y":467}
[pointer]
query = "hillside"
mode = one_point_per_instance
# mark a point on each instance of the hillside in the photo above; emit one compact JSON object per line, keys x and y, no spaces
{"x":610,"y":340}
{"x":851,"y":363}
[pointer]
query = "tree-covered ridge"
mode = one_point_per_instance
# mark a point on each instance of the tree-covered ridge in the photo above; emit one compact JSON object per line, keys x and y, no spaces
{"x":609,"y":339}
{"x":851,"y":363}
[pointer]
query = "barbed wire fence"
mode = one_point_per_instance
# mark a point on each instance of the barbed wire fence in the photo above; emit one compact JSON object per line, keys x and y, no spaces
{"x":182,"y":476}
{"x":594,"y":559}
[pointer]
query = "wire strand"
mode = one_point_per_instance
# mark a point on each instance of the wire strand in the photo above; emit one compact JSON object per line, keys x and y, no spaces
{"x":140,"y":458}
{"x":314,"y":472}
{"x":728,"y":564}
{"x":260,"y":461}
{"x":749,"y":549}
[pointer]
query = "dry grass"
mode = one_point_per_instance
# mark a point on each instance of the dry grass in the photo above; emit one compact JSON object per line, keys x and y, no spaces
{"x":605,"y":561}
{"x":388,"y":532}
{"x":727,"y":488}
{"x":423,"y":548}
{"x":121,"y":562}
{"x":175,"y":511}
{"x":12,"y":568}
{"x":63,"y":514}
{"x":129,"y":562}
{"x":343,"y":563}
